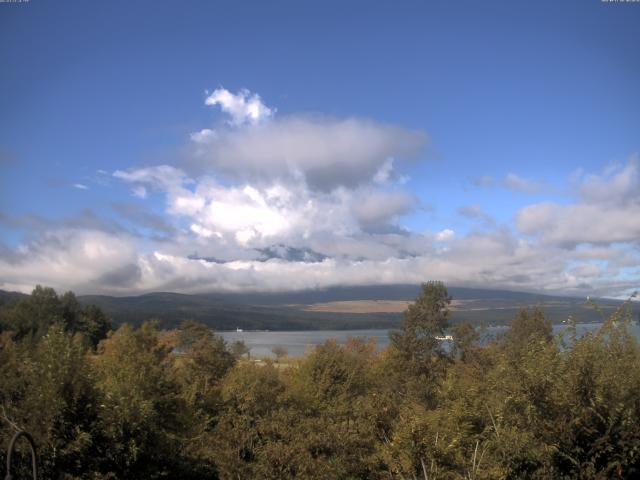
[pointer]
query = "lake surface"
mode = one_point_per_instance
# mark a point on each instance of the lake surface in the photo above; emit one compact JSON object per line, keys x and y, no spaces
{"x":297,"y":343}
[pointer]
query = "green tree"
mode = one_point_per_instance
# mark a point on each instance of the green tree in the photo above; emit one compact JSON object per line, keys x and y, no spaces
{"x":416,"y":356}
{"x":239,"y":349}
{"x":205,"y":359}
{"x":331,"y":395}
{"x":34,"y":314}
{"x":596,"y":431}
{"x":89,"y":320}
{"x":465,"y":339}
{"x":141,"y":409}
{"x":251,"y":393}
{"x":47,"y":389}
{"x":279,"y":352}
{"x":529,"y":326}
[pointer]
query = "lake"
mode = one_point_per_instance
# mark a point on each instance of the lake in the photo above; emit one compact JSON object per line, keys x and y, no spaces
{"x":297,"y":343}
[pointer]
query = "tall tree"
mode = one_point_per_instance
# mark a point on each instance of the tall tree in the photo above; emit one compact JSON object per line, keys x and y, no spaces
{"x":141,"y":403}
{"x":416,"y":354}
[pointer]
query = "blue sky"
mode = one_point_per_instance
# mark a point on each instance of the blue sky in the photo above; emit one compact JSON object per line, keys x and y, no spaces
{"x":482,"y":143}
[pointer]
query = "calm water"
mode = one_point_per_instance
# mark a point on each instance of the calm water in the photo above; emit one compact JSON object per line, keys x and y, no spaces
{"x":297,"y":343}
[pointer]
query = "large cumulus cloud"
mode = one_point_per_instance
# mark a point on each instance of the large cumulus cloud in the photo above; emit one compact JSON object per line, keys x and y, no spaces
{"x":323,"y":152}
{"x":264,"y":201}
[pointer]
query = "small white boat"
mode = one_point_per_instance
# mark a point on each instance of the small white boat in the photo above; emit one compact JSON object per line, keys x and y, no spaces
{"x":238,"y":330}
{"x":444,"y":338}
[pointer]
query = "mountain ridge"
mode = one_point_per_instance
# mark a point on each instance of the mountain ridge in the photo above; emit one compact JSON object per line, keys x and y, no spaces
{"x":289,"y":310}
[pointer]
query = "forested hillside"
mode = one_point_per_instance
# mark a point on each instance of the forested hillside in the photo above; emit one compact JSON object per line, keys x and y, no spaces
{"x":287,"y":310}
{"x":139,"y":403}
{"x":228,"y":314}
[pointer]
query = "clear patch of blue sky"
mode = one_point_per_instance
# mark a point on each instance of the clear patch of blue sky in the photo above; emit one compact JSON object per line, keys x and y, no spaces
{"x":536,"y":88}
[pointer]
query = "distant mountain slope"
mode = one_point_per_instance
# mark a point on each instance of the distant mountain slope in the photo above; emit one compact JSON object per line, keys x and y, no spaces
{"x":290,"y":310}
{"x":375,"y":292}
{"x":8,"y":297}
{"x":287,"y":310}
{"x":222,"y":314}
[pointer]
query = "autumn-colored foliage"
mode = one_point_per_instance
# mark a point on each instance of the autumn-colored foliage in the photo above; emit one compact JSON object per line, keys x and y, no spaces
{"x":138,"y":403}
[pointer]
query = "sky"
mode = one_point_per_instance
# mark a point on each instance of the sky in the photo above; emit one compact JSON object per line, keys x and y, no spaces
{"x":284,"y":145}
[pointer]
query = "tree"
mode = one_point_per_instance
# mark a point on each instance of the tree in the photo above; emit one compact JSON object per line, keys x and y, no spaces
{"x":89,"y":320}
{"x":529,"y":327}
{"x":34,"y":314}
{"x":206,"y":359}
{"x":279,"y":352}
{"x":424,"y":319}
{"x":203,"y":362}
{"x":250,"y":393}
{"x":596,"y":430}
{"x":465,"y":338}
{"x":415,"y":354}
{"x":239,"y":349}
{"x":142,"y":408}
{"x":47,"y":389}
{"x":94,"y":324}
{"x":150,"y":404}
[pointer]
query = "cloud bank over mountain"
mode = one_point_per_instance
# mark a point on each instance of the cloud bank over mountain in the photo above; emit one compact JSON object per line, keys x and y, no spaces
{"x":266,"y":202}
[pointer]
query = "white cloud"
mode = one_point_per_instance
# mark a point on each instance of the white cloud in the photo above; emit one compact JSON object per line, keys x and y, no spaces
{"x":386,"y":174}
{"x":271,"y":203}
{"x":608,"y":211}
{"x":80,"y":186}
{"x":259,"y":215}
{"x":495,"y":259}
{"x":203,"y":136}
{"x":618,"y":185}
{"x":570,"y":225}
{"x":78,"y":259}
{"x":139,"y":191}
{"x":445,"y":235}
{"x":585,"y":271}
{"x":161,"y":177}
{"x":203,"y":231}
{"x":323,"y":152}
{"x":475,"y":212}
{"x":616,"y":256}
{"x":244,"y":212}
{"x":297,"y":216}
{"x":521,"y":184}
{"x":512,"y":181}
{"x":243,"y":107}
{"x":375,"y":208}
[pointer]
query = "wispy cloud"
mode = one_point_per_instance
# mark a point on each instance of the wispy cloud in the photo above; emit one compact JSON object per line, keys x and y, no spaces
{"x":606,"y":212}
{"x":143,"y":218}
{"x":521,"y":184}
{"x":484,"y":181}
{"x":511,"y":181}
{"x":475,"y":212}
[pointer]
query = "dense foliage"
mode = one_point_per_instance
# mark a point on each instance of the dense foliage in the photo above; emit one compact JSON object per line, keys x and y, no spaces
{"x":138,"y":403}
